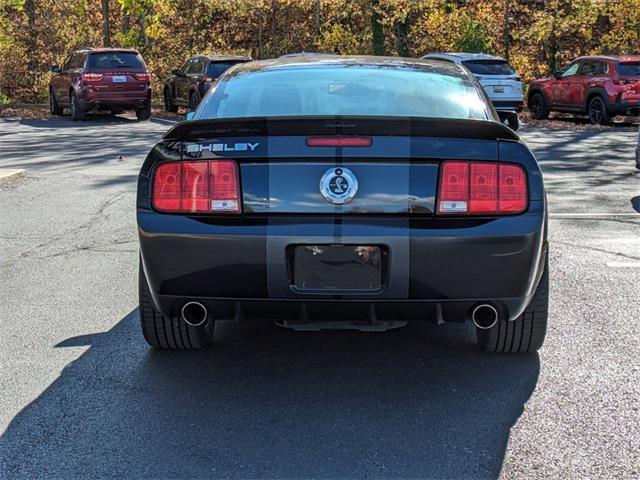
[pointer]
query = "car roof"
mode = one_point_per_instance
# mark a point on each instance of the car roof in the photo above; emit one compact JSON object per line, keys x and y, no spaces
{"x":105,"y":50}
{"x":613,"y":58}
{"x":463,"y":56}
{"x":302,"y":60}
{"x":225,"y":58}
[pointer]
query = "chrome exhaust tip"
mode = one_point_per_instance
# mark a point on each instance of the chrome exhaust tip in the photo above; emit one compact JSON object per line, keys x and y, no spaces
{"x":194,"y":313}
{"x":484,"y":316}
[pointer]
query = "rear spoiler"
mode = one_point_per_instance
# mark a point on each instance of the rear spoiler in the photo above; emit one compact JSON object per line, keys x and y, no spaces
{"x":342,"y":125}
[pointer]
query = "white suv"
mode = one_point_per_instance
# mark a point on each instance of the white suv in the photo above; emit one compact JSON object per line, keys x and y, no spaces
{"x":502,"y":84}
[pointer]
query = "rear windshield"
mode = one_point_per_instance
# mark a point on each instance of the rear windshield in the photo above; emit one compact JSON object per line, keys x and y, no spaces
{"x":116,"y":60}
{"x":344,"y":90}
{"x":216,"y":69}
{"x":489,"y":67}
{"x":629,"y":69}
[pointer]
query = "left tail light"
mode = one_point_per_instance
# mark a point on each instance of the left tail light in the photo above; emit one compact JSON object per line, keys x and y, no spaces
{"x":92,"y":77}
{"x":197,"y":187}
{"x":481,"y":188}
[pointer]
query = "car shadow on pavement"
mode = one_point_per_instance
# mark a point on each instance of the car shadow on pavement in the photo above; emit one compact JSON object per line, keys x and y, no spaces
{"x":92,"y":119}
{"x":418,"y":402}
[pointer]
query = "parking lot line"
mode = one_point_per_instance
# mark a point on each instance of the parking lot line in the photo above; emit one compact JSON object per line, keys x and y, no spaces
{"x":594,"y":215}
{"x":623,"y":264}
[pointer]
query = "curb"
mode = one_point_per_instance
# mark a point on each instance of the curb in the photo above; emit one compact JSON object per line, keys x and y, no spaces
{"x":10,"y":174}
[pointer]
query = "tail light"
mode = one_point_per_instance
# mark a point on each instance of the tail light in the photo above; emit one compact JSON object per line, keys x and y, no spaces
{"x":339,"y":141}
{"x":618,"y":81}
{"x":92,"y":77}
{"x":481,"y":188}
{"x":143,"y":77}
{"x":196,"y":187}
{"x":208,"y":79}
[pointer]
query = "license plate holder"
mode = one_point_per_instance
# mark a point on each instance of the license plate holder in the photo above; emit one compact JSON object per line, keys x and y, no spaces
{"x":338,"y":268}
{"x":119,"y":79}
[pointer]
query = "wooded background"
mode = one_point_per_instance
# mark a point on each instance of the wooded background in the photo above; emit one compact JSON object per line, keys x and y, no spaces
{"x":538,"y":36}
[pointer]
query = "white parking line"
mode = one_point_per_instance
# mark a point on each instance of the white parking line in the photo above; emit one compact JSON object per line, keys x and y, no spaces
{"x":593,"y":215}
{"x":623,"y":264}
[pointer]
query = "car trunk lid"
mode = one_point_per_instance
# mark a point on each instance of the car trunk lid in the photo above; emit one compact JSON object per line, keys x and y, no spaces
{"x":282,"y":172}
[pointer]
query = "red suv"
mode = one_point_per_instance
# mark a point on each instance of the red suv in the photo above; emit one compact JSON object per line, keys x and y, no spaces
{"x":599,"y":86}
{"x":112,"y":79}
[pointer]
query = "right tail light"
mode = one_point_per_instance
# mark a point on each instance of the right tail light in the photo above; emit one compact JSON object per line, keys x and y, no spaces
{"x":197,"y":187}
{"x":481,"y":188}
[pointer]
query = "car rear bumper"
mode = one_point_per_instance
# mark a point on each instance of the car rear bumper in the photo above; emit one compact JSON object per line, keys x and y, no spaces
{"x":127,"y":100}
{"x":625,"y":108}
{"x":437,"y":269}
{"x":508,"y":105}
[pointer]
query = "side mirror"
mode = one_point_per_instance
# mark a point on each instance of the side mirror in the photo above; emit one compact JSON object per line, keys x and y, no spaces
{"x":510,"y":119}
{"x":189,"y":115}
{"x":55,"y":68}
{"x":178,"y":73}
{"x":557,"y":75}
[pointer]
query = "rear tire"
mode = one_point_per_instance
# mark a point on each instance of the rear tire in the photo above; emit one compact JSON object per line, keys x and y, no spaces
{"x":597,"y":111}
{"x":526,"y":333}
{"x":77,"y":113}
{"x":144,"y":113}
{"x":194,"y":101}
{"x":169,"y":333}
{"x":168,"y":102}
{"x":538,"y":107}
{"x":53,"y":104}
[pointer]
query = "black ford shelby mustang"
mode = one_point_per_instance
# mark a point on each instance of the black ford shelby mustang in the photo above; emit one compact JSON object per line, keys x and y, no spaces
{"x":343,"y":192}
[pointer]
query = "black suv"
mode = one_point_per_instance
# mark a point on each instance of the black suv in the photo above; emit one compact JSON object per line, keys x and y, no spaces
{"x":186,"y":86}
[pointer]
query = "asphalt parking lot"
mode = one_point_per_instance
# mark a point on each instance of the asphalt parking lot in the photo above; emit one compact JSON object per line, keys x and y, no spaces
{"x":81,"y":395}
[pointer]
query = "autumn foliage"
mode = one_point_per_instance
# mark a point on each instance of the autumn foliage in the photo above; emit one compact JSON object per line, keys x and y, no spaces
{"x":538,"y":35}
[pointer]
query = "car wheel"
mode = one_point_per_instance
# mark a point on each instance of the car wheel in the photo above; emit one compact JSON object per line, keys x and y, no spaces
{"x":144,"y":113}
{"x":169,"y":333}
{"x":77,"y":113}
{"x":53,"y":104}
{"x":597,"y":110}
{"x":168,"y":102}
{"x":526,"y":333}
{"x":538,"y":107}
{"x":194,"y":100}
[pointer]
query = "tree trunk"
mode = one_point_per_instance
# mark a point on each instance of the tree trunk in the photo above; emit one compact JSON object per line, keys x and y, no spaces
{"x":274,"y":30}
{"x":316,"y":11}
{"x":402,"y":38}
{"x":32,"y":40}
{"x":106,"y":30}
{"x":260,"y":30}
{"x":377,"y":32}
{"x":126,"y":23}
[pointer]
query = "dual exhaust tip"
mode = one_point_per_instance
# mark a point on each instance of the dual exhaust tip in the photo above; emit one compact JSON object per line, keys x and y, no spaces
{"x":484,"y":316}
{"x":194,"y":313}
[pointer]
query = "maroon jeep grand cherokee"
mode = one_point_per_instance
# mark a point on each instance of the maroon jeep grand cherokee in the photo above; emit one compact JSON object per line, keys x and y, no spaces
{"x":598,"y":86}
{"x":114,"y":79}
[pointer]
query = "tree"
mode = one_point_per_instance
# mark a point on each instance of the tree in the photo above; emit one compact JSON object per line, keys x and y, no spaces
{"x":106,"y":31}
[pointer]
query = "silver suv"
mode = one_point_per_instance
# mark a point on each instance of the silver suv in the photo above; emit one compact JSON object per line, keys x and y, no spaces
{"x":502,"y":84}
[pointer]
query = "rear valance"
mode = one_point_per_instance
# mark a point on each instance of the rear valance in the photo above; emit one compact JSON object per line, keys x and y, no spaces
{"x":339,"y":125}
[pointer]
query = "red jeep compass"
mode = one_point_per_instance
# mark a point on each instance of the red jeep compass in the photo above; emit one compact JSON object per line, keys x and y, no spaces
{"x":599,"y":86}
{"x":112,"y":79}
